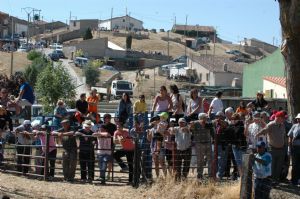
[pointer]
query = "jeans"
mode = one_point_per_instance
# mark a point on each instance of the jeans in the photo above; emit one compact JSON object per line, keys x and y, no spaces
{"x":295,"y":164}
{"x":222,"y":160}
{"x":103,"y":160}
{"x":51,"y":159}
{"x":23,"y":150}
{"x":182,"y":162}
{"x":238,"y":155}
{"x":262,"y":188}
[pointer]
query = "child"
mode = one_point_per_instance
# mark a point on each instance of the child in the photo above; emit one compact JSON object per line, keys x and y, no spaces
{"x":156,"y":136}
{"x":104,"y":152}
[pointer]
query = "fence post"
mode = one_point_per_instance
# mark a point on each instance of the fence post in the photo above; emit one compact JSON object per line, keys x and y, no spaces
{"x":246,"y":182}
{"x":46,"y":166}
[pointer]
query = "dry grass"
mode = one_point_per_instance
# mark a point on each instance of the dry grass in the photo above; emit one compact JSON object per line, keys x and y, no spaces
{"x":168,"y":189}
{"x":20,"y":187}
{"x":20,"y":62}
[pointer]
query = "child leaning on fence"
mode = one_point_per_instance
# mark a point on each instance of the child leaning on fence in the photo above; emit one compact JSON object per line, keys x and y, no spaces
{"x":104,"y":152}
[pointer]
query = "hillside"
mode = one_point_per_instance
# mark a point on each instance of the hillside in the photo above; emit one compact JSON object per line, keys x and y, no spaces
{"x":20,"y":62}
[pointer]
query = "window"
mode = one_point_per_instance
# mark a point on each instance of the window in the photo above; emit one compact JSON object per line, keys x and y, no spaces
{"x":207,"y":76}
{"x":123,"y":20}
{"x":74,"y":23}
{"x":200,"y":77}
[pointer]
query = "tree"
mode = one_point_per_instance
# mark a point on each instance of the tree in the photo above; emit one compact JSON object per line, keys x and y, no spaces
{"x":128,"y":41}
{"x":32,"y":55}
{"x":290,"y":23}
{"x":88,"y":34}
{"x":92,"y":74}
{"x":54,"y":83}
{"x":32,"y":71}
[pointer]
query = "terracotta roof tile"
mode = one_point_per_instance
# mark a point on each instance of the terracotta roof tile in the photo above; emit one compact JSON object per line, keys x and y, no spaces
{"x":276,"y":80}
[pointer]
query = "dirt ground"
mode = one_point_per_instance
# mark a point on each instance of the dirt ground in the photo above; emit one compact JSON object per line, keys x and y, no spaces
{"x":21,"y":187}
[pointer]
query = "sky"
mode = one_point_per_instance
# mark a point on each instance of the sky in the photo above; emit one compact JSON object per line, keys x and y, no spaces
{"x":234,"y":20}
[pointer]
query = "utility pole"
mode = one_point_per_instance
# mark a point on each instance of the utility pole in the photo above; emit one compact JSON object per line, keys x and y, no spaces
{"x":214,"y":47}
{"x":168,"y":46}
{"x":29,"y":11}
{"x":111,"y":16}
{"x":12,"y":47}
{"x":185,"y":34}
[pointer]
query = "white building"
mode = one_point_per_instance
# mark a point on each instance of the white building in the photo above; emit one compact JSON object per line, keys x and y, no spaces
{"x":216,"y":71}
{"x":274,"y":87}
{"x":121,"y":23}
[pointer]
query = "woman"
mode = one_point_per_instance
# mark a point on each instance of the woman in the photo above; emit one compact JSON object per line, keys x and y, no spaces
{"x":178,"y":105}
{"x":162,"y":102}
{"x":5,"y":120}
{"x":294,"y":146}
{"x":124,"y":108}
{"x":194,"y":107}
{"x":242,"y":109}
{"x":60,"y":113}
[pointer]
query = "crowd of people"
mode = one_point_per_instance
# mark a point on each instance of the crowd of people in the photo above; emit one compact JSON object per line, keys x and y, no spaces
{"x":178,"y":137}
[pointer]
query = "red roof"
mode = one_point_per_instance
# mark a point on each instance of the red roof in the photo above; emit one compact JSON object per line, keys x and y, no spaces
{"x":276,"y":80}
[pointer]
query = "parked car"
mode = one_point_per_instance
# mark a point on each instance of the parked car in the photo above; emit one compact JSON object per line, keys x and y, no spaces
{"x":233,"y":52}
{"x":55,"y":46}
{"x":60,"y":53}
{"x":81,"y":61}
{"x":54,"y":56}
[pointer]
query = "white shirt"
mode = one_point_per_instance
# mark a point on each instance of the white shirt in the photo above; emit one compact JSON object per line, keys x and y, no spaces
{"x":254,"y":129}
{"x":217,"y":105}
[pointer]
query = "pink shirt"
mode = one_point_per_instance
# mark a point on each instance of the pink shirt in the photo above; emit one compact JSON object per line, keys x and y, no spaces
{"x":51,"y":142}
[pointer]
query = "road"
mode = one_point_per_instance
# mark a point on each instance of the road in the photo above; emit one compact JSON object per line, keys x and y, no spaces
{"x":78,"y":81}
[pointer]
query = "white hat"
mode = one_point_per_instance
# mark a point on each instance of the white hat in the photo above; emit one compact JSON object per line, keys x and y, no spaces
{"x":298,"y":116}
{"x":202,"y":116}
{"x":87,"y":123}
{"x":220,"y":113}
{"x":229,"y":110}
{"x":35,"y":124}
{"x":260,"y":92}
{"x":26,"y":122}
{"x":181,"y":120}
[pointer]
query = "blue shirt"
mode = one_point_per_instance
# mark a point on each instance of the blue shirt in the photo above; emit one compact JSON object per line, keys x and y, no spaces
{"x":28,"y":92}
{"x":263,"y":170}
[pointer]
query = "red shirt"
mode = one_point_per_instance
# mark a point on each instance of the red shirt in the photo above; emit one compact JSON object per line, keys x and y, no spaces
{"x":127,"y":142}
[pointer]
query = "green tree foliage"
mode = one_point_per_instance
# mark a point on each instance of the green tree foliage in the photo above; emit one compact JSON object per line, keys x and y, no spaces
{"x":54,"y":83}
{"x":79,"y":53}
{"x":88,"y":34}
{"x":92,"y":74}
{"x":32,"y":71}
{"x":128,"y":41}
{"x":32,"y":55}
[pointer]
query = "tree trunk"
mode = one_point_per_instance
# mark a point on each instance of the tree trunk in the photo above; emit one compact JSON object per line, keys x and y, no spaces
{"x":290,"y":23}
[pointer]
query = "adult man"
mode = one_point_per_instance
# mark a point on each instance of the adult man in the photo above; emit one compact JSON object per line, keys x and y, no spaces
{"x":24,"y":137}
{"x":183,"y":153}
{"x":262,"y":171}
{"x":216,"y":105}
{"x":276,"y":136}
{"x":82,"y":108}
{"x":93,"y":101}
{"x":203,"y":133}
{"x":86,"y":151}
{"x":26,"y":97}
{"x":66,"y":134}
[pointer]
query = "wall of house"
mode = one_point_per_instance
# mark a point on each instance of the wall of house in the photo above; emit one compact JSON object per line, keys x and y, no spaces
{"x":93,"y":47}
{"x":265,"y":46}
{"x":253,"y":74}
{"x":276,"y":90}
{"x":83,"y":24}
{"x":104,"y":25}
{"x":202,"y":72}
{"x":225,"y":79}
{"x":19,"y":28}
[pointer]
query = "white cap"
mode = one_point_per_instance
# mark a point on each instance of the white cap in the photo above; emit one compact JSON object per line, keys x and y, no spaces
{"x":26,"y":122}
{"x":229,"y":110}
{"x":298,"y":116}
{"x":202,"y":116}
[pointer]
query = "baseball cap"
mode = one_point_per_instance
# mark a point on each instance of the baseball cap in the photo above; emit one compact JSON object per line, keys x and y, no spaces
{"x":229,"y":110}
{"x":202,"y":116}
{"x":65,"y":121}
{"x":181,"y":120}
{"x":26,"y":122}
{"x":164,"y":115}
{"x":280,"y":114}
{"x":260,"y":144}
{"x":256,"y":114}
